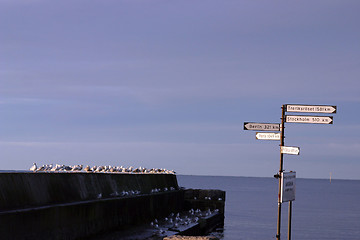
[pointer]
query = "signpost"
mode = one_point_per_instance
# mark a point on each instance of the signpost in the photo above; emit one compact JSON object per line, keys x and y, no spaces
{"x":267,"y":136}
{"x":262,"y":126}
{"x":287,"y":179}
{"x":290,"y":150}
{"x":309,"y":119}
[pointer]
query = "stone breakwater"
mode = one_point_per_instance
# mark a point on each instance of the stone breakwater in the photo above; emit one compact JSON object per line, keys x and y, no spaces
{"x":24,"y":190}
{"x":68,"y":205}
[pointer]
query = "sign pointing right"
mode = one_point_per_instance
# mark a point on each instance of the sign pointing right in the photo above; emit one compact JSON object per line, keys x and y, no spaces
{"x":309,"y":119}
{"x":310,"y":108}
{"x":290,"y":150}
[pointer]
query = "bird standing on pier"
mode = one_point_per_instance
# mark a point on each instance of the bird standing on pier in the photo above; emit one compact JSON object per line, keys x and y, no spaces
{"x":33,"y":167}
{"x":77,"y":168}
{"x":41,"y":168}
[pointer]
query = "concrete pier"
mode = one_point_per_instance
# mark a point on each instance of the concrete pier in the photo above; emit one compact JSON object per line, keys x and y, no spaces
{"x":63,"y":205}
{"x":31,"y":189}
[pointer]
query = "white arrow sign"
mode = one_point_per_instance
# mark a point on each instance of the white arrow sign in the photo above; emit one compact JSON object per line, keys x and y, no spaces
{"x":290,"y":150}
{"x":262,"y":126}
{"x":309,"y":119}
{"x":267,"y":136}
{"x":310,"y":108}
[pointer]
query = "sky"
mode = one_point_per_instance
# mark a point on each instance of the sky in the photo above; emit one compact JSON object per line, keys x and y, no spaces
{"x":169,"y":84}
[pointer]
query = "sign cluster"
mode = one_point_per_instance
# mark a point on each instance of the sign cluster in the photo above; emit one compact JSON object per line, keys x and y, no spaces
{"x":291,"y":119}
{"x":276,"y":131}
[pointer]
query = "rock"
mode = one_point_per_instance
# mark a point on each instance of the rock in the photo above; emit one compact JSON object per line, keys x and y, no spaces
{"x":176,"y":237}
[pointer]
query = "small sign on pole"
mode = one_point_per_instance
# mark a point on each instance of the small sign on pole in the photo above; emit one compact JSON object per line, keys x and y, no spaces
{"x":290,"y":150}
{"x":267,"y":136}
{"x":287,"y":186}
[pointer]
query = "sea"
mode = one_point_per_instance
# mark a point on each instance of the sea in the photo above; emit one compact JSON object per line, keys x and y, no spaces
{"x":322,"y":209}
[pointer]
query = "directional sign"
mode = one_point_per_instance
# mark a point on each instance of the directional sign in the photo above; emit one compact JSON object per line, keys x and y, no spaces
{"x":309,"y":119}
{"x":290,"y":150}
{"x":310,"y":108}
{"x":267,"y":136}
{"x":262,"y":126}
{"x":287,"y":186}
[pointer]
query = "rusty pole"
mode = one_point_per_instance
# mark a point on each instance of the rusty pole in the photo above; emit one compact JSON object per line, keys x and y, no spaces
{"x":289,"y":220}
{"x":282,"y":135}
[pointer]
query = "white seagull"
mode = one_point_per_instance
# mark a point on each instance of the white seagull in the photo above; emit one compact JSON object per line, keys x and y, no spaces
{"x":33,"y":167}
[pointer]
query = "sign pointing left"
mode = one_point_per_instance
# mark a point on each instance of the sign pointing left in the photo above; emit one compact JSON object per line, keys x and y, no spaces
{"x":268,"y":136}
{"x":262,"y":126}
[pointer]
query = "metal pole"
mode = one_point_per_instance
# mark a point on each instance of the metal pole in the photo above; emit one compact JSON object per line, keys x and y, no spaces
{"x":282,"y":135}
{"x":289,"y":217}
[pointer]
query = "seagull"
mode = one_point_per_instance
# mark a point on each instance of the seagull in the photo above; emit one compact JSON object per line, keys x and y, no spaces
{"x":55,"y":168}
{"x":99,"y":169}
{"x":67,"y":168}
{"x":33,"y":167}
{"x":191,"y":211}
{"x":114,"y":194}
{"x":40,"y":168}
{"x":77,"y":168}
{"x":58,"y":167}
{"x":124,"y":193}
{"x":48,"y":167}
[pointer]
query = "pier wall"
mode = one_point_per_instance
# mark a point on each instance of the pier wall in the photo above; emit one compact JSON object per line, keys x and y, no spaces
{"x":66,"y":205}
{"x":23,"y":190}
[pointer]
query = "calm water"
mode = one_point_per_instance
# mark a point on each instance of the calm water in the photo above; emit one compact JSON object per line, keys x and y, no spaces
{"x":321,"y":210}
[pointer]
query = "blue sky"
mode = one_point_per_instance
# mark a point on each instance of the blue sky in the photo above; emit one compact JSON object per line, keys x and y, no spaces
{"x":169,"y":84}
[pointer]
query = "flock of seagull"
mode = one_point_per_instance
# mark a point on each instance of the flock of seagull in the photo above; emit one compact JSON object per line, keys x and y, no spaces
{"x":175,"y":221}
{"x":96,"y":169}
